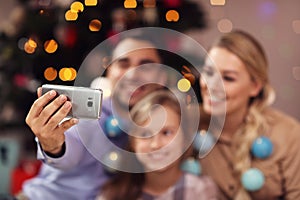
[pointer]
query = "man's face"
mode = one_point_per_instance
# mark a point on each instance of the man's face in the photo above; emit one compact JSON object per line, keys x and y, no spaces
{"x":135,"y":63}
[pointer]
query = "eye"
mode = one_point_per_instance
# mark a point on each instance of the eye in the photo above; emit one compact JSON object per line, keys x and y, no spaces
{"x":167,"y":132}
{"x":228,"y":78}
{"x":144,"y":134}
{"x":208,"y":71}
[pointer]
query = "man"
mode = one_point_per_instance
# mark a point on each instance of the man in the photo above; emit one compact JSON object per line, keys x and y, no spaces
{"x":71,"y":171}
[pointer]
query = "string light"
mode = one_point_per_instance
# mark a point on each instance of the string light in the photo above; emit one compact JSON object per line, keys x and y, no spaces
{"x":90,"y":2}
{"x":183,"y":85}
{"x":77,"y":7}
{"x":50,"y":74}
{"x":67,"y":74}
{"x":149,"y":3}
{"x":172,"y":15}
{"x":50,"y":46}
{"x":95,"y":25}
{"x":130,"y":4}
{"x":217,"y":2}
{"x":71,"y":16}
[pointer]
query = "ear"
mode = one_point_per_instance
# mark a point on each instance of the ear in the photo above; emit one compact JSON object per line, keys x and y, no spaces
{"x":256,"y":88}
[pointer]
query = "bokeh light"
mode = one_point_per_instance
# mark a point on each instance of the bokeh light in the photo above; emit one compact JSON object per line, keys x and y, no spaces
{"x":90,"y":2}
{"x":217,"y":2}
{"x":296,"y":73}
{"x":32,"y":43}
{"x":50,"y":46}
{"x":95,"y":25}
{"x":184,"y":85}
{"x":30,"y":46}
{"x":130,"y":4}
{"x":67,"y":74}
{"x":132,"y":15}
{"x":296,"y":26}
{"x":225,"y":26}
{"x":71,"y":16}
{"x":172,"y":15}
{"x":77,"y":7}
{"x":268,"y":9}
{"x":113,"y":156}
{"x":50,"y":74}
{"x":21,"y":42}
{"x":149,"y":3}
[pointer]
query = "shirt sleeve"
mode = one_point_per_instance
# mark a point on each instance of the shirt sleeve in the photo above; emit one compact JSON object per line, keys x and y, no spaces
{"x":73,"y":152}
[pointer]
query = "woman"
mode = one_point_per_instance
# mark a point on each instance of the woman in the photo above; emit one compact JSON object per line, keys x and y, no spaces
{"x":255,"y":139}
{"x":159,"y":142}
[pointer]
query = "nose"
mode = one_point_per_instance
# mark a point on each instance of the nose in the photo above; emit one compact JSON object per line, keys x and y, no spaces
{"x":155,"y":142}
{"x":133,"y":73}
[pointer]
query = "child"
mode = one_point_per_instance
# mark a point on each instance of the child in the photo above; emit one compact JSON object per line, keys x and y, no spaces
{"x":159,"y":140}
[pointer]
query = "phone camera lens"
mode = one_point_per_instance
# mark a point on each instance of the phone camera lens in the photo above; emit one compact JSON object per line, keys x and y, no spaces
{"x":90,"y":104}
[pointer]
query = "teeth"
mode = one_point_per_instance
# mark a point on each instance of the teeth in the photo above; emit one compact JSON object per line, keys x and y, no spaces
{"x":157,"y":155}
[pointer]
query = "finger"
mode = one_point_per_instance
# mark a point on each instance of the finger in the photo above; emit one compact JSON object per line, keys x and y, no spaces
{"x":58,"y":108}
{"x":39,"y":105}
{"x":68,"y":124}
{"x":39,"y":91}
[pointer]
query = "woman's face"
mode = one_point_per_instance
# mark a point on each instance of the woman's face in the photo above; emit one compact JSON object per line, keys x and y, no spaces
{"x":237,"y":82}
{"x":160,"y":140}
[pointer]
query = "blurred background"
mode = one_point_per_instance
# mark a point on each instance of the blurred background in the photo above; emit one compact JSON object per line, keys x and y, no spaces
{"x":45,"y":41}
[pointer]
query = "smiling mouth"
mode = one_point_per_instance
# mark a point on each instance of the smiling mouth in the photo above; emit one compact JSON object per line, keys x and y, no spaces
{"x":158,"y":156}
{"x":216,"y":99}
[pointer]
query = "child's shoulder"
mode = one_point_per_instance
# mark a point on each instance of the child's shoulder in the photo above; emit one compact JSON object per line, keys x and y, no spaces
{"x":202,"y":185}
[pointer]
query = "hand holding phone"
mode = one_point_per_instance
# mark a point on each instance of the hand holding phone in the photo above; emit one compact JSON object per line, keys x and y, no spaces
{"x":86,"y":102}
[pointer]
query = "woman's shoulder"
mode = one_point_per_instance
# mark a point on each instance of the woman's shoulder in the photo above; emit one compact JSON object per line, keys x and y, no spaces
{"x":278,"y":118}
{"x":283,"y":129}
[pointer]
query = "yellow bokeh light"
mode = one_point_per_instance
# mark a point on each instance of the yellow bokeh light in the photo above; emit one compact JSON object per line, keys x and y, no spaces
{"x":217,"y":2}
{"x":130,"y":4}
{"x":28,"y":48}
{"x":172,"y":15}
{"x":50,"y":74}
{"x":71,"y":16}
{"x":113,"y":156}
{"x":95,"y":25}
{"x":50,"y":46}
{"x":74,"y":74}
{"x":183,"y":85}
{"x":90,"y":2}
{"x":32,"y":43}
{"x":77,"y":7}
{"x":149,"y":3}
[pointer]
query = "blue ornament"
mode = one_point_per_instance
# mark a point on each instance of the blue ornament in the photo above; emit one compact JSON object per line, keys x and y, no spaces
{"x":253,"y":179}
{"x":112,"y":127}
{"x":203,"y":142}
{"x":262,"y":147}
{"x":191,"y":165}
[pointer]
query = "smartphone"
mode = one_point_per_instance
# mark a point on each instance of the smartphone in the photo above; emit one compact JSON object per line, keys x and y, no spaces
{"x":86,"y":102}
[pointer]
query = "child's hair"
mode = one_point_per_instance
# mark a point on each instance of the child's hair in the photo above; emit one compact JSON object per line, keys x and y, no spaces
{"x":251,"y":53}
{"x":130,"y":185}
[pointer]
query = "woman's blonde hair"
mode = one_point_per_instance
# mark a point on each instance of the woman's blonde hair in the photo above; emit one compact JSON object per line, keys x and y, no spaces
{"x":251,"y":53}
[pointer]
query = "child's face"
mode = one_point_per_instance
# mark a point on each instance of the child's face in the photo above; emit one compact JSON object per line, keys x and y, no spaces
{"x":160,"y":140}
